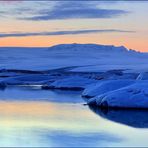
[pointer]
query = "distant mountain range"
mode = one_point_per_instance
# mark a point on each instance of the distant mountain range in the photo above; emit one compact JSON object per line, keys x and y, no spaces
{"x":88,"y":47}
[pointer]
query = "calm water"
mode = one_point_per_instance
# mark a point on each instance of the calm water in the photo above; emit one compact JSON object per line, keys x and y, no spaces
{"x":57,"y":118}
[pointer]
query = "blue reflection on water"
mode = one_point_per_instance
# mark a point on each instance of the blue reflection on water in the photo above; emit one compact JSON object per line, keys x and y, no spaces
{"x":131,"y":117}
{"x":35,"y":94}
{"x":33,"y":117}
{"x":66,"y":139}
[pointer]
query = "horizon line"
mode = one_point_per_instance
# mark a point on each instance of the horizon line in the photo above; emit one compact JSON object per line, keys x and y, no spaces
{"x":11,"y":46}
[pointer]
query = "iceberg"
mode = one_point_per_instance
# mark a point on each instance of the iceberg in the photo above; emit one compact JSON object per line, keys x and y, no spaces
{"x":102,"y":87}
{"x":132,"y":96}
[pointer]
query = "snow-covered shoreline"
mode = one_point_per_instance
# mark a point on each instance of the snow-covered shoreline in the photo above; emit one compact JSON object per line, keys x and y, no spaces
{"x":105,"y":89}
{"x":109,"y":76}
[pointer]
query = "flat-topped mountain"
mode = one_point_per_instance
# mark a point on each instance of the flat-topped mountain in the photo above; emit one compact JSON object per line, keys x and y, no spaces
{"x":89,"y":48}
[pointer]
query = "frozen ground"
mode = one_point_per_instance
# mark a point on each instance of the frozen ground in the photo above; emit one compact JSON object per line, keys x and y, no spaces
{"x":85,"y":57}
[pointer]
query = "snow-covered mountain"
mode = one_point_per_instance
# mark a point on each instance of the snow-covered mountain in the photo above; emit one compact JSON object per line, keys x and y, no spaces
{"x":88,"y":48}
{"x":84,"y":57}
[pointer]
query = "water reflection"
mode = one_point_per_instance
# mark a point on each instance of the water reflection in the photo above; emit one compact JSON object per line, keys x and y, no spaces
{"x":66,"y":139}
{"x":39,"y":118}
{"x":36,"y":94}
{"x":130,"y":117}
{"x":50,"y":124}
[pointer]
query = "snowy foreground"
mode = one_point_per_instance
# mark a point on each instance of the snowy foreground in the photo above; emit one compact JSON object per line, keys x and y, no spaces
{"x":112,"y":77}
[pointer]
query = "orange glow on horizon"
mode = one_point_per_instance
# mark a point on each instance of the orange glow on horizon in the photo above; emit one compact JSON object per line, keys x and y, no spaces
{"x":42,"y":41}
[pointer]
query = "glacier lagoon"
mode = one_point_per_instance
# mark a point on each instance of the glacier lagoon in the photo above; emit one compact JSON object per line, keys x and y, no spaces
{"x":34,"y":117}
{"x":39,"y":108}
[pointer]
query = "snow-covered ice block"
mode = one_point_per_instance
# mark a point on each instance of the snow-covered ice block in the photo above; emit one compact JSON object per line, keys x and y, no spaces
{"x":102,"y":87}
{"x":132,"y":96}
{"x":70,"y":83}
{"x":29,"y":79}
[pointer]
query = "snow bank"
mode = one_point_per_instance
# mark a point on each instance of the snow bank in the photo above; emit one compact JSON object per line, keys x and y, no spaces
{"x":30,"y":79}
{"x":132,"y":96}
{"x":102,"y":87}
{"x":70,"y":83}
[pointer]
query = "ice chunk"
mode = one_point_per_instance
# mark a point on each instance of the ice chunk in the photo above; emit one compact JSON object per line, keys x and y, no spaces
{"x":132,"y":96}
{"x":105,"y":86}
{"x":70,"y":83}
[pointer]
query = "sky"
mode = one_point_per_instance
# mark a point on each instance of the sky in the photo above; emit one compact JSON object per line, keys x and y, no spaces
{"x":47,"y":23}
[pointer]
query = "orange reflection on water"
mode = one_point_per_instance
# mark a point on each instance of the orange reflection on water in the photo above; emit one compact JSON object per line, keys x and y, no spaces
{"x":46,"y":115}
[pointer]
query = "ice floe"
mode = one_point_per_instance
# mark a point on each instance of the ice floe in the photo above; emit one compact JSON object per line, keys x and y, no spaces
{"x":70,"y":83}
{"x":102,"y":87}
{"x":132,"y":96}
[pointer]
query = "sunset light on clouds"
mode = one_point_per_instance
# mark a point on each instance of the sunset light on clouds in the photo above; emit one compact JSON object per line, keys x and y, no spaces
{"x":46,"y":23}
